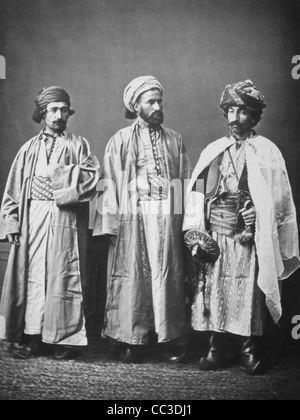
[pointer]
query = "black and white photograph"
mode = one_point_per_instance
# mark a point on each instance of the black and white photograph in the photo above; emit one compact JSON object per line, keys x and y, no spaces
{"x":149,"y":202}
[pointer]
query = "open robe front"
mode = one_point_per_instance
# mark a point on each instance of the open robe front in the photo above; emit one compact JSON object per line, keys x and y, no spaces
{"x":276,"y":236}
{"x":74,"y":177}
{"x":140,"y":241}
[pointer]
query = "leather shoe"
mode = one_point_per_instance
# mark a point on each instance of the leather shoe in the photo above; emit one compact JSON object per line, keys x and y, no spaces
{"x":130,"y":354}
{"x":176,"y":354}
{"x":249,"y":360}
{"x":33,"y":349}
{"x":213,"y":361}
{"x":64,"y":353}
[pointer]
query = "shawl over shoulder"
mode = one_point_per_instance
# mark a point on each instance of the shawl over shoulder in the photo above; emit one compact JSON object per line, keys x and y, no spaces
{"x":276,"y":237}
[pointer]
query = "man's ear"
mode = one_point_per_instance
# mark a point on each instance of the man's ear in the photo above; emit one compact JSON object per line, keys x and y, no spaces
{"x":136,"y":107}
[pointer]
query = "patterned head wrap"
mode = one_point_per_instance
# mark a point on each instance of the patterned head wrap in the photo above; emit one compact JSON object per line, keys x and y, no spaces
{"x":45,"y":97}
{"x":243,"y":94}
{"x":138,"y":86}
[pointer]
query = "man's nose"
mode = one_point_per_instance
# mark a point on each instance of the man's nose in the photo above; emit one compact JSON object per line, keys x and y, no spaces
{"x":156,"y":106}
{"x":58,"y":114}
{"x":235,"y":116}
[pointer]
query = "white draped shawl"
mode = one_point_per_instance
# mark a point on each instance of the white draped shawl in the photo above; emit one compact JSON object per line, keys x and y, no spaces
{"x":276,"y":236}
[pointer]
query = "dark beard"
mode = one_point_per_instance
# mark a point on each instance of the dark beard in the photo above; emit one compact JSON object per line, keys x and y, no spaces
{"x":154,"y":120}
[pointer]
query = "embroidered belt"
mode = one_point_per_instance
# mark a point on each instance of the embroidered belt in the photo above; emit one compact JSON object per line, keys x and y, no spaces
{"x":225,"y":218}
{"x":41,"y":189}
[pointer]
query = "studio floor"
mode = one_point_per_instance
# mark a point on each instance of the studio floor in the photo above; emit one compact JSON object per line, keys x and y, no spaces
{"x":95,"y":375}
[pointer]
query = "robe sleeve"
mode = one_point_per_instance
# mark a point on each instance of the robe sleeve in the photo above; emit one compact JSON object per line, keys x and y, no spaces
{"x":286,"y":218}
{"x":76,"y":183}
{"x":185,"y":165}
{"x":185,"y":176}
{"x":9,"y":216}
{"x":194,"y":216}
{"x":107,"y":214}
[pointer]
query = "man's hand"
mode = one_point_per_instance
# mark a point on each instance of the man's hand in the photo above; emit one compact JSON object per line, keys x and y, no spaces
{"x":249,"y":216}
{"x":14,"y":239}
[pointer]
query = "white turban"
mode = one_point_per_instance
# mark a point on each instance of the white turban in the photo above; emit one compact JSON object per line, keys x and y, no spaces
{"x":138,"y":86}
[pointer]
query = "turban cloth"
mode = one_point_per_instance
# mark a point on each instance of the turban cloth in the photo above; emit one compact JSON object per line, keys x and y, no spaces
{"x":138,"y":86}
{"x":243,"y":94}
{"x":47,"y":96}
{"x":52,"y":94}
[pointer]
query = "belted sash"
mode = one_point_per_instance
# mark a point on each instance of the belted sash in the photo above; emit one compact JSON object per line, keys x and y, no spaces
{"x":225,"y":218}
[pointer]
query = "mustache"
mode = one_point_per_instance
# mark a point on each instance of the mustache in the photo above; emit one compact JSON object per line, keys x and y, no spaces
{"x":157,"y":113}
{"x":235,"y":123}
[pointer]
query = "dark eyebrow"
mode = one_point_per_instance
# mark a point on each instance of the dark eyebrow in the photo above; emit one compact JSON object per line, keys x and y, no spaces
{"x":57,"y":107}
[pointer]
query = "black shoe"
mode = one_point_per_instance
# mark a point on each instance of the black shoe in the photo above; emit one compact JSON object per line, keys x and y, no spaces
{"x":131,"y":354}
{"x":214,"y":359}
{"x":253,"y":368}
{"x":207,"y":365}
{"x":175,"y":354}
{"x":64,"y":353}
{"x":127,"y":355}
{"x":33,"y":349}
{"x":250,"y":363}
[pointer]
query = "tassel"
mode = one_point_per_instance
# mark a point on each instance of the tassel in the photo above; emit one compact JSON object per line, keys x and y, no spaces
{"x":245,"y":236}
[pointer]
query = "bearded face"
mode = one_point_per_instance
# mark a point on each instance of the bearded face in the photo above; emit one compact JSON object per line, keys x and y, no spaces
{"x":150,"y":108}
{"x":56,"y":117}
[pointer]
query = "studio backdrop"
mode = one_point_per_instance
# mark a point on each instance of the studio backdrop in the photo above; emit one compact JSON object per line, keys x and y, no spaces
{"x":93,"y":48}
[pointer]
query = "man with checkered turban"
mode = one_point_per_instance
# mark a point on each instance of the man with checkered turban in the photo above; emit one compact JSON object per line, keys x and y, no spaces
{"x":240,"y":194}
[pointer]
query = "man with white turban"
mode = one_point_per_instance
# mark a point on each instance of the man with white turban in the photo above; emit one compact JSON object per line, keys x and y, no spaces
{"x":44,"y":215}
{"x":240,"y":193}
{"x":145,"y":166}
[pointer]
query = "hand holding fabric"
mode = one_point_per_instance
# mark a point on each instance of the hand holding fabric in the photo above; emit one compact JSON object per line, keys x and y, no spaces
{"x":14,"y":239}
{"x":249,"y":216}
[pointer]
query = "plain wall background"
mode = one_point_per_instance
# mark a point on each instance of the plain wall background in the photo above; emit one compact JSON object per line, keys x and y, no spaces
{"x":93,"y":48}
{"x":195,"y":48}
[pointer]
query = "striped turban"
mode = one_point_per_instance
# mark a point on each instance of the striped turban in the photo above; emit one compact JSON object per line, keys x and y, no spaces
{"x":243,"y":94}
{"x":47,"y":96}
{"x":137,"y":87}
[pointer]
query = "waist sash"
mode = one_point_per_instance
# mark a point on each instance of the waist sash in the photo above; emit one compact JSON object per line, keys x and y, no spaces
{"x":225,"y":218}
{"x":41,"y":189}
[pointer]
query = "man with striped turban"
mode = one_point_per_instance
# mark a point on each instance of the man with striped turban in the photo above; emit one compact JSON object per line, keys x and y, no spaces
{"x":145,"y":166}
{"x":44,"y":215}
{"x":240,"y":193}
